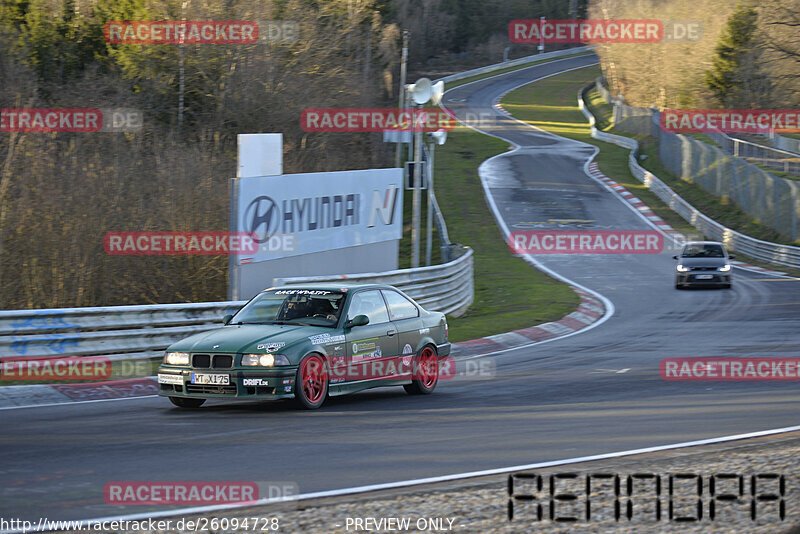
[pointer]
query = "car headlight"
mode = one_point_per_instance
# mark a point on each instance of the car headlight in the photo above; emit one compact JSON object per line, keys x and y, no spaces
{"x":726,"y":268}
{"x":681,"y":268}
{"x":264,"y":360}
{"x":177,"y":358}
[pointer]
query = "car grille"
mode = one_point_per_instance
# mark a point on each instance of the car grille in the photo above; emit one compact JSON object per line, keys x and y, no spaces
{"x":209,"y":361}
{"x":222,"y":361}
{"x":704,"y":268}
{"x":201,"y":361}
{"x":211,"y":389}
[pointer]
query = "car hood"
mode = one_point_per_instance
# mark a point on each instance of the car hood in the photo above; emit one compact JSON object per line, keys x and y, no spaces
{"x":703,"y":262}
{"x":247,"y":338}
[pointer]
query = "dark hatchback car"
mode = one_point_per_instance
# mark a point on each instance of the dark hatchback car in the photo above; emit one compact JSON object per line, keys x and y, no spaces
{"x":703,"y":263}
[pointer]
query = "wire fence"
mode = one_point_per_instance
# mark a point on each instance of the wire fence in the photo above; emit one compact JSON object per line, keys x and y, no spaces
{"x":771,"y":158}
{"x":773,"y":253}
{"x":722,"y":171}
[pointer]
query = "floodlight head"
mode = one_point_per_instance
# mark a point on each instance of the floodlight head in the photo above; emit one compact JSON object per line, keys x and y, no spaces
{"x":440,"y":136}
{"x":437,"y":91}
{"x":421,"y":91}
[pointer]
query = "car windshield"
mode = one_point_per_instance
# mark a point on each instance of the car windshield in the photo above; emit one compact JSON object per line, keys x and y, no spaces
{"x":293,"y":306}
{"x":707,"y":250}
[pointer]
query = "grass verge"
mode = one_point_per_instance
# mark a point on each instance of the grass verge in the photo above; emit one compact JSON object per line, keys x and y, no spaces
{"x":551,"y":104}
{"x":477,"y":77}
{"x":509,"y":293}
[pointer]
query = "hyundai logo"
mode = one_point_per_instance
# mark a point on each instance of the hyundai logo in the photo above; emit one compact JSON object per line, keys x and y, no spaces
{"x":262,"y":217}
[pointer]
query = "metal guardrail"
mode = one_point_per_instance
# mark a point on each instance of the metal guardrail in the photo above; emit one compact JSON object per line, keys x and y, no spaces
{"x":126,"y":332}
{"x":774,"y":253}
{"x":771,"y":158}
{"x":515,"y":62}
{"x":448,"y":288}
{"x":143,"y":332}
{"x":790,"y":144}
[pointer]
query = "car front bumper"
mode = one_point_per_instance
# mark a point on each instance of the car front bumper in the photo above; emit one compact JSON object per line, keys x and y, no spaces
{"x":691,"y":278}
{"x":244,"y":384}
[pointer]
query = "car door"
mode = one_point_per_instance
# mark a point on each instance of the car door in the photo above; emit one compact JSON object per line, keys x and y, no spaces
{"x":371,"y":347}
{"x":405,"y":316}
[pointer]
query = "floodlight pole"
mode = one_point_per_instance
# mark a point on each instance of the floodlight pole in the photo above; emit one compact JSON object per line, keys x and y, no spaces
{"x":429,"y":234}
{"x":180,"y":68}
{"x":402,"y":102}
{"x":415,"y":205}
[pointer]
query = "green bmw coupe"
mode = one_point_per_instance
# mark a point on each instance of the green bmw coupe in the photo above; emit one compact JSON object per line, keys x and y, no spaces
{"x":306,"y":343}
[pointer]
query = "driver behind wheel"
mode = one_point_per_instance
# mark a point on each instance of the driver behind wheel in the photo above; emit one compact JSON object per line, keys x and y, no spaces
{"x":324,"y":308}
{"x":296,"y":309}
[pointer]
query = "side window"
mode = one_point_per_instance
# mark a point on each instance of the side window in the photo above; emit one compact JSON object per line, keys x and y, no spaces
{"x":399,"y":306}
{"x":371,"y":304}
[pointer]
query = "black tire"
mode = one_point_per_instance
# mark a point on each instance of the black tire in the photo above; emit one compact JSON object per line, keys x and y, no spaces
{"x":310,"y":391}
{"x":425,"y":374}
{"x":183,"y":402}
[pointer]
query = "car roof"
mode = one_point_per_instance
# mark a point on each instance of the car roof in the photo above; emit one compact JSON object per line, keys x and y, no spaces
{"x":328,"y":286}
{"x":703,"y":243}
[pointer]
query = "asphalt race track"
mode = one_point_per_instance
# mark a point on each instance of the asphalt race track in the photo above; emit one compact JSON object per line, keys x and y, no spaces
{"x":595,"y":392}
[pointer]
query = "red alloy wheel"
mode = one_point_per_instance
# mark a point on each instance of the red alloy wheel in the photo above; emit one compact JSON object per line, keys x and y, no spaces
{"x":428,"y":368}
{"x":314,"y":378}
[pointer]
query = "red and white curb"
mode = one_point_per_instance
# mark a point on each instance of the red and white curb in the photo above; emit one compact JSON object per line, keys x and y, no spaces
{"x":590,"y":310}
{"x":644,"y":209}
{"x":50,"y":394}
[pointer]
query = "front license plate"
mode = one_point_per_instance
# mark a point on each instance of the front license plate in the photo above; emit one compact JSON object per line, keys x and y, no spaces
{"x":170,"y":379}
{"x":215,"y":379}
{"x":704,"y":277}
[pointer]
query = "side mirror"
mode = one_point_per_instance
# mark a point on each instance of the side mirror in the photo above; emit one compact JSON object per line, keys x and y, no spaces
{"x":227,"y":318}
{"x":358,"y":320}
{"x":731,"y":256}
{"x":674,"y":257}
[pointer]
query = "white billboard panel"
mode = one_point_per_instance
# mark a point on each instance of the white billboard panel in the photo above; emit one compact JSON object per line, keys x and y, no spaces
{"x":295,"y":214}
{"x":260,"y":154}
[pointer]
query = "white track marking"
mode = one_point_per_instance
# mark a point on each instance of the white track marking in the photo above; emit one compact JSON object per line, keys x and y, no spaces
{"x":430,"y":480}
{"x":76,"y":402}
